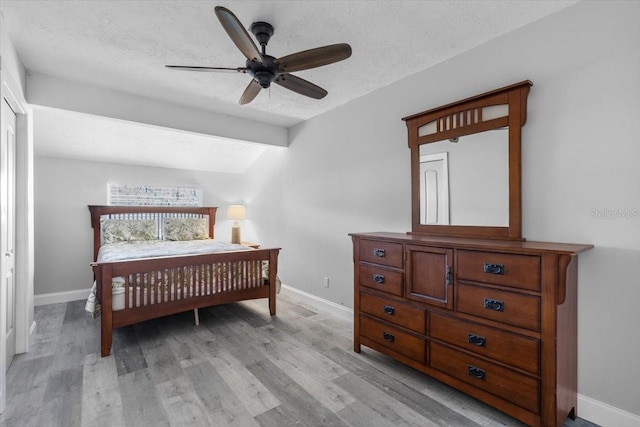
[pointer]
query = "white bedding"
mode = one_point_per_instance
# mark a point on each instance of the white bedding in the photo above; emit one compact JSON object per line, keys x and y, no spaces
{"x":152,"y":249}
{"x":157,"y":248}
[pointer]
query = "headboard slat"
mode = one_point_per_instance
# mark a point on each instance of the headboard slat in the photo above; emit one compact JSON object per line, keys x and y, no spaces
{"x":146,"y":212}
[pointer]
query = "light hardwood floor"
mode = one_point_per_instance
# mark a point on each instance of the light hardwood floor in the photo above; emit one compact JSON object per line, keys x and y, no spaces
{"x":240,"y":367}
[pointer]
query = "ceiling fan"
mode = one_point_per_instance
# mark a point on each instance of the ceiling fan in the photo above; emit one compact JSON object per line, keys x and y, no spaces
{"x":265,"y":69}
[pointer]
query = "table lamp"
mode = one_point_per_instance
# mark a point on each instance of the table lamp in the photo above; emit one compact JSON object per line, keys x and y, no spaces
{"x":236,"y":212}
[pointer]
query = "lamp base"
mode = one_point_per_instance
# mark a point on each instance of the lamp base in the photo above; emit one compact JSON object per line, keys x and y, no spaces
{"x":235,"y":234}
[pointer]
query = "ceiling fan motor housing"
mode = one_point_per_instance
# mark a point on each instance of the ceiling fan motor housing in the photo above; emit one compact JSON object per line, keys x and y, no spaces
{"x":265,"y":73}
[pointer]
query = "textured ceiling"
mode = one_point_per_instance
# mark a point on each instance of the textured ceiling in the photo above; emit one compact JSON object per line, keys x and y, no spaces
{"x":124,"y":45}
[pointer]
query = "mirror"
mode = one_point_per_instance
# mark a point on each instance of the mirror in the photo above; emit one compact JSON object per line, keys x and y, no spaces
{"x":465,"y":165}
{"x":466,"y":181}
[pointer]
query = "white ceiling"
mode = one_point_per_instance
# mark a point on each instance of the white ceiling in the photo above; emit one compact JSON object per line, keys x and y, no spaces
{"x":124,"y":45}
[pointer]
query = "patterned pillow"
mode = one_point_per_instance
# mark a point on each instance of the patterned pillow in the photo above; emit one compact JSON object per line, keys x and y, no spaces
{"x":186,"y":228}
{"x":126,"y":230}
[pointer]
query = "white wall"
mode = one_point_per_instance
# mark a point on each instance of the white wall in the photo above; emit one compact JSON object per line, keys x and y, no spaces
{"x":348,"y":171}
{"x":10,"y":61}
{"x":64,"y":188}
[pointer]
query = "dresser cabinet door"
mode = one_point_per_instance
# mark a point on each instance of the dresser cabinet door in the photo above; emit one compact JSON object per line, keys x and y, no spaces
{"x":429,"y":275}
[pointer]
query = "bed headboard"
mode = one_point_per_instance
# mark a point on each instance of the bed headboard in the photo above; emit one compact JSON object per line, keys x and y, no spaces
{"x":146,"y":212}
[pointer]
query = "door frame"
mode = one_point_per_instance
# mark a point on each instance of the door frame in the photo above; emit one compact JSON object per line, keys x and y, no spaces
{"x":24,"y":215}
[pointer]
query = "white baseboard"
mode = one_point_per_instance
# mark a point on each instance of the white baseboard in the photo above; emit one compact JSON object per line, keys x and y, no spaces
{"x":604,"y":414}
{"x":58,"y":297}
{"x":319,"y":303}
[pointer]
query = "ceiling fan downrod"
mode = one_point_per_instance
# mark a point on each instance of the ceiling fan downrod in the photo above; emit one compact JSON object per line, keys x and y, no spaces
{"x":263,"y":32}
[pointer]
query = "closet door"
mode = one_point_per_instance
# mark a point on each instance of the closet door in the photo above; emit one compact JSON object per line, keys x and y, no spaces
{"x":7,"y":234}
{"x":429,"y":275}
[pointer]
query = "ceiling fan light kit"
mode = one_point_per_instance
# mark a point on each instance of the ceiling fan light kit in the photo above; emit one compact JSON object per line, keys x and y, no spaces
{"x":265,"y":69}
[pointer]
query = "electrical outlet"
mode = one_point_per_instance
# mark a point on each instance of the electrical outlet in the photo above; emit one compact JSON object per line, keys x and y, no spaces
{"x":326,"y":282}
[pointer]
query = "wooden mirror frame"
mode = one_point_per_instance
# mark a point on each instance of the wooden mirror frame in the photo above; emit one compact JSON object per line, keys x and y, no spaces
{"x":465,"y":118}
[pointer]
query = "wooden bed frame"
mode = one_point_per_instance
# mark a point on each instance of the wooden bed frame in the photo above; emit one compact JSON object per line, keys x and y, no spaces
{"x":205,"y":286}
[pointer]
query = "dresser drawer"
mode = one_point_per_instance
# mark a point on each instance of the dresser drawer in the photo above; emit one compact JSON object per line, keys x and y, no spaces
{"x":393,"y":338}
{"x":510,"y":385}
{"x":518,"y":271}
{"x":515,"y":350}
{"x":382,"y":279}
{"x":503,"y":306}
{"x":396,"y":312}
{"x":384,"y":253}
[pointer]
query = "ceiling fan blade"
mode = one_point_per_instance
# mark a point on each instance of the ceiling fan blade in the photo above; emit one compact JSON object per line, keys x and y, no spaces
{"x":214,"y":69}
{"x":313,"y":58}
{"x":238,"y":34}
{"x":301,"y":86}
{"x":250,"y":92}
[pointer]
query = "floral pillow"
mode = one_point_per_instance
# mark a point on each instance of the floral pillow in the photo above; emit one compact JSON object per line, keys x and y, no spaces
{"x":127,"y":230}
{"x":186,"y":228}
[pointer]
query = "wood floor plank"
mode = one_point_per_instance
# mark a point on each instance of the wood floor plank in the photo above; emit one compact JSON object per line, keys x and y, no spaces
{"x":399,"y":391}
{"x":187,"y":351}
{"x":278,"y":417}
{"x":101,"y":399}
{"x":140,"y":402}
{"x":254,"y":316}
{"x":302,"y":357}
{"x":127,"y":351}
{"x":253,"y":395}
{"x":49,"y":319}
{"x":310,"y":370}
{"x":28,"y":374}
{"x":296,"y":399}
{"x":442,"y":393}
{"x":162,"y":364}
{"x":182,"y":405}
{"x":71,"y":347}
{"x":372,"y":414}
{"x":245,"y":351}
{"x":62,"y":401}
{"x":222,"y":406}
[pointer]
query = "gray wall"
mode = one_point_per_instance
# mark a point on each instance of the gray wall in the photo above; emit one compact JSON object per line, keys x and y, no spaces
{"x":63,"y":233}
{"x":348,"y":171}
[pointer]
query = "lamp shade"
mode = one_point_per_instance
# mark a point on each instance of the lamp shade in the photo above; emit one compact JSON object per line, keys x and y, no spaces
{"x":236,"y":212}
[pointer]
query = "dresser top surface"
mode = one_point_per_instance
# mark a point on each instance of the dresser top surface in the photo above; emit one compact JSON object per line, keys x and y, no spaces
{"x":473,"y":243}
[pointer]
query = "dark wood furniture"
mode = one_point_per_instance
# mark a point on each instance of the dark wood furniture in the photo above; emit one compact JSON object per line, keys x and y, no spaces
{"x":475,"y":307}
{"x":182,"y":283}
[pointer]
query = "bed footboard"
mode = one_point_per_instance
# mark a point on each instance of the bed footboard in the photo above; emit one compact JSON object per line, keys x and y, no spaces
{"x":149,"y":288}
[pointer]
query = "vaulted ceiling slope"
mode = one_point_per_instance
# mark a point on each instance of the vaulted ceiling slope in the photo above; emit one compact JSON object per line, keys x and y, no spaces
{"x":123,"y":46}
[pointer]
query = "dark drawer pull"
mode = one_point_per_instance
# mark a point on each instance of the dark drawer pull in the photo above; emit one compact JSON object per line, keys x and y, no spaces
{"x":388,"y":337}
{"x":476,"y":372}
{"x":493,"y":268}
{"x":378,"y":252}
{"x":493,"y":304}
{"x":378,"y":278}
{"x":476,"y":340}
{"x":389,"y":310}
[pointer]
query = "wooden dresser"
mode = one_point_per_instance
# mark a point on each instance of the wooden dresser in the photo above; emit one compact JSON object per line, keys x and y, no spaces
{"x":494,"y":319}
{"x":463,"y":297}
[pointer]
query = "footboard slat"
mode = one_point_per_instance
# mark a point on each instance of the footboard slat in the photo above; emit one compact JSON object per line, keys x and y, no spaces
{"x":162,"y":286}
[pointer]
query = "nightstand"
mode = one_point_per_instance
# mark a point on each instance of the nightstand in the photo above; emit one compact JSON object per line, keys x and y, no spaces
{"x":251,"y":245}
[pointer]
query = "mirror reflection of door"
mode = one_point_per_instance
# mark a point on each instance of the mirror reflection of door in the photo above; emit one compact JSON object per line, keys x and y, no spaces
{"x":434,"y":189}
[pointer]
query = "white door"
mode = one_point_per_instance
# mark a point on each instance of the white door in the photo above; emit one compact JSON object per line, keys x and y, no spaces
{"x":7,"y":233}
{"x":434,"y":189}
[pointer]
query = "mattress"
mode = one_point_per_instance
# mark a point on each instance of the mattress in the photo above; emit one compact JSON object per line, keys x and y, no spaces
{"x":155,"y":289}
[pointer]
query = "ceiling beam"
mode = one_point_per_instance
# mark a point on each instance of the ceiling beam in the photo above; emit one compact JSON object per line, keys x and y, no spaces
{"x":48,"y":91}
